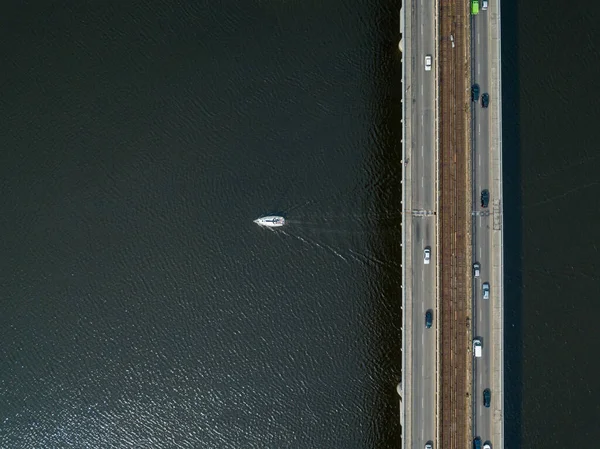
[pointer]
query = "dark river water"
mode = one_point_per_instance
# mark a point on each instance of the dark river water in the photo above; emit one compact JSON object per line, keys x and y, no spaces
{"x":142,"y":308}
{"x":552,"y":254}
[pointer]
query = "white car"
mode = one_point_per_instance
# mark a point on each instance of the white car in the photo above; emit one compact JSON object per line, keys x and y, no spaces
{"x":427,"y":255}
{"x":428,"y":61}
{"x":483,"y":8}
{"x":428,"y":446}
{"x":487,"y":446}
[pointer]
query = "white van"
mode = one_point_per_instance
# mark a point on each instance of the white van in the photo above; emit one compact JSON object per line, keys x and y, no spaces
{"x":477,"y":347}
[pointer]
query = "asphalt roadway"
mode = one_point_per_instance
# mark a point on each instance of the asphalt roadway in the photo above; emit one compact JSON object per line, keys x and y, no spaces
{"x":482,"y":227}
{"x":422,"y":165}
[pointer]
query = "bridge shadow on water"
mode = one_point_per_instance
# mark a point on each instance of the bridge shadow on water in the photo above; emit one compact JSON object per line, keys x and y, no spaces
{"x":513,"y":228}
{"x":386,"y":161}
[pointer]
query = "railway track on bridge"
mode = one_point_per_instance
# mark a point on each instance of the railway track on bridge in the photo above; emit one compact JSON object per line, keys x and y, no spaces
{"x":454,"y":221}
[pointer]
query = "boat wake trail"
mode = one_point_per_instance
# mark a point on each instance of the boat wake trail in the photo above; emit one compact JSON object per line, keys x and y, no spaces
{"x":319,"y":229}
{"x":348,"y":256}
{"x":347,"y":230}
{"x":317,"y":244}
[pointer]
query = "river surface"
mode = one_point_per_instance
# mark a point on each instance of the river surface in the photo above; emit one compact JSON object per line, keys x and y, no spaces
{"x":141,"y":307}
{"x":552,"y":259}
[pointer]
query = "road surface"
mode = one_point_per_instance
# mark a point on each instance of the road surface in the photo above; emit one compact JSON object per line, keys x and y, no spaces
{"x":422,"y":165}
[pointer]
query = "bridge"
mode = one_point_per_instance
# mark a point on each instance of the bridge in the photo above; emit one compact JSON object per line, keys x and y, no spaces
{"x":452,"y":151}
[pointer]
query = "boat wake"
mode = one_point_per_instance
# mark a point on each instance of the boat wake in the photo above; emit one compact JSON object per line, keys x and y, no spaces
{"x":317,"y":228}
{"x":317,"y":244}
{"x":348,"y":255}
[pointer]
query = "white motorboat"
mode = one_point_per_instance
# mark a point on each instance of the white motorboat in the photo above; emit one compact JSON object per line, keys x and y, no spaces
{"x":272,"y":221}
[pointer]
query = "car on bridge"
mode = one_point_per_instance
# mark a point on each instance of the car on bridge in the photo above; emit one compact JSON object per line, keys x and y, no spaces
{"x":477,"y":443}
{"x":485,"y":100}
{"x":475,"y":92}
{"x":487,"y":397}
{"x":485,"y":198}
{"x":486,"y":290}
{"x":477,"y":347}
{"x":427,"y":255}
{"x":429,"y":318}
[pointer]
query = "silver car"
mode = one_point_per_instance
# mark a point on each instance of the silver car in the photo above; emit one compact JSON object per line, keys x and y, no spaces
{"x":429,"y":445}
{"x":476,"y":269}
{"x":486,"y":290}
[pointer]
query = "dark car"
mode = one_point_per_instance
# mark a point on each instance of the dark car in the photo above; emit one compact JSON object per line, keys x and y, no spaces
{"x":477,"y":443}
{"x":475,"y":92}
{"x":428,"y":318}
{"x":487,"y":397}
{"x":485,"y":198}
{"x":485,"y":100}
